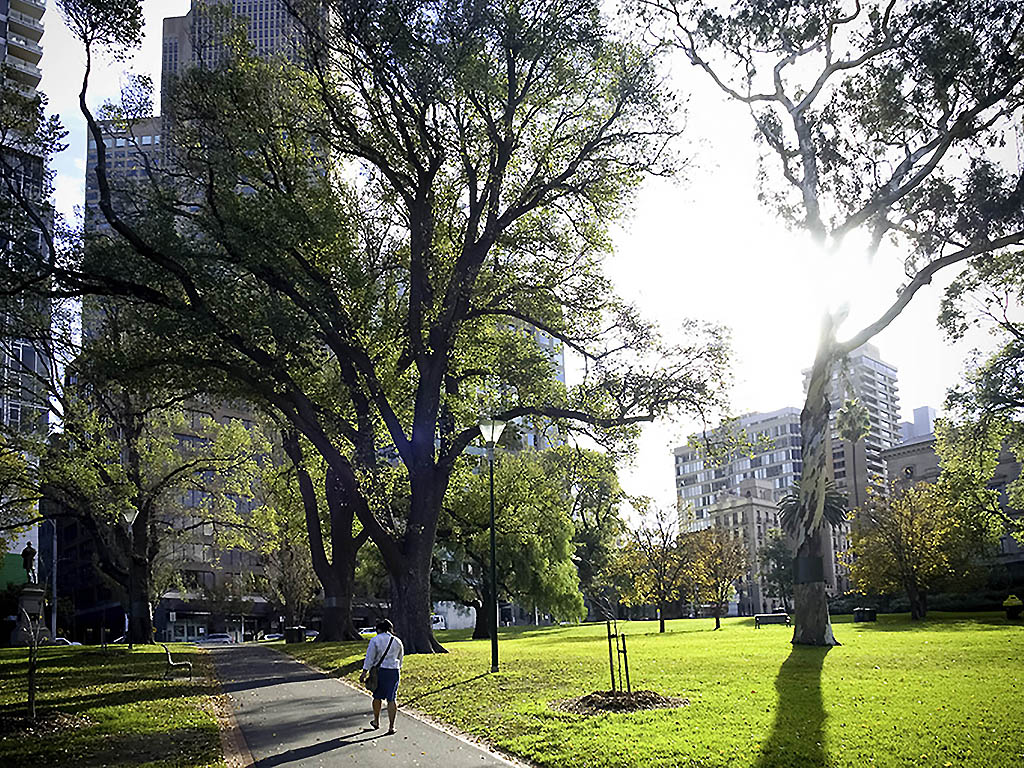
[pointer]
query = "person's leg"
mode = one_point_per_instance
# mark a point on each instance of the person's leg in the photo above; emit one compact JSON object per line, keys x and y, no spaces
{"x":392,"y":712}
{"x":376,"y":713}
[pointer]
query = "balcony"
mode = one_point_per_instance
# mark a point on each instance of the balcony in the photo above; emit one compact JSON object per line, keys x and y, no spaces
{"x":33,"y":8}
{"x":25,"y":25}
{"x":24,"y":48}
{"x":23,"y":73}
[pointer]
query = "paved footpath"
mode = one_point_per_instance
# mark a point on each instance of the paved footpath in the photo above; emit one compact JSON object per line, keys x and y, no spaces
{"x":292,"y":716}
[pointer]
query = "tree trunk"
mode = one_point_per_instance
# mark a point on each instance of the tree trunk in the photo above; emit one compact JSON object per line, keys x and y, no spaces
{"x":337,"y":624}
{"x":411,"y":607}
{"x":482,"y":627}
{"x":718,"y":617}
{"x":337,"y":576}
{"x":661,"y":617}
{"x":918,"y":603}
{"x":140,"y":624}
{"x":811,"y":622}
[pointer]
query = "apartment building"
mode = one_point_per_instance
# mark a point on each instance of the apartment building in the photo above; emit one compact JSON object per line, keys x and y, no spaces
{"x":748,"y":513}
{"x":773,"y":456}
{"x":21,"y":32}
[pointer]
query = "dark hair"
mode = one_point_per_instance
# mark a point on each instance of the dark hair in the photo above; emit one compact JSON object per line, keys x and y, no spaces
{"x":385,"y":625}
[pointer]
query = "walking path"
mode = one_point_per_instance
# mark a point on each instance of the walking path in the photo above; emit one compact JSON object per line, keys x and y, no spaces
{"x":291,"y":715}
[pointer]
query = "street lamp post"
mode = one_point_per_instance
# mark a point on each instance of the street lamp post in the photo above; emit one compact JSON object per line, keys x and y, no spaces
{"x":129,"y":516}
{"x":491,"y":430}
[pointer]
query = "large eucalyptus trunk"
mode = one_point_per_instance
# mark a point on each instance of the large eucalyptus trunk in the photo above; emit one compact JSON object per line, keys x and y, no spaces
{"x":812,"y":625}
{"x":411,"y":604}
{"x":811,"y":622}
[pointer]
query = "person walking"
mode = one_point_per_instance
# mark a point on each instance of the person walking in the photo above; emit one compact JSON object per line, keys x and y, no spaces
{"x":385,"y":653}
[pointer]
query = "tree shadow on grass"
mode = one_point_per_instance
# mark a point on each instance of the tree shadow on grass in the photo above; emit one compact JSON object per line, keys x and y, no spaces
{"x":448,"y":687}
{"x":798,"y":733}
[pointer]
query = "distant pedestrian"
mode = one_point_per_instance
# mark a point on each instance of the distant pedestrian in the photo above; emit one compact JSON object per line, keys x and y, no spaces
{"x":385,"y":652}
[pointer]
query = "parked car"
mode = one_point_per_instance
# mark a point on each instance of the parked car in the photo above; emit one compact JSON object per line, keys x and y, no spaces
{"x":368,"y":631}
{"x":64,"y":641}
{"x":218,"y":638}
{"x":273,"y":636}
{"x":312,"y":633}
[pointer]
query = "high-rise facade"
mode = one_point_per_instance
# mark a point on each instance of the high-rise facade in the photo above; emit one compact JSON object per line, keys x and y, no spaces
{"x":21,"y":408}
{"x":21,"y":31}
{"x":874,"y":384}
{"x":197,"y":37}
{"x":773,"y":456}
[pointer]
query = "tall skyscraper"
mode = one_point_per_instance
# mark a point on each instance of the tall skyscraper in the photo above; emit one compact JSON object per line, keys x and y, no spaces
{"x":197,"y":37}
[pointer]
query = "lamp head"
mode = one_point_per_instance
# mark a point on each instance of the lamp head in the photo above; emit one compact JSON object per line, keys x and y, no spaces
{"x":491,"y":430}
{"x":129,"y":516}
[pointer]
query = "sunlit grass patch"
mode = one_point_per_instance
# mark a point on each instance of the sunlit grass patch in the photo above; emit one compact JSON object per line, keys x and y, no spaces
{"x":108,"y":708}
{"x":949,"y":690}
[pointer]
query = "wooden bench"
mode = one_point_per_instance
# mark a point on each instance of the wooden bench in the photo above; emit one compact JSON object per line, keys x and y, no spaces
{"x":770,"y":618}
{"x":172,"y":664}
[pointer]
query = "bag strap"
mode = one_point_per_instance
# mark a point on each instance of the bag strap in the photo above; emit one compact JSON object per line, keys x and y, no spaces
{"x":384,"y":655}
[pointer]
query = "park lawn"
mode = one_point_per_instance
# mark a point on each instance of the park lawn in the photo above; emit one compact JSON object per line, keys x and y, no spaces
{"x":109,"y":708}
{"x":945,"y":692}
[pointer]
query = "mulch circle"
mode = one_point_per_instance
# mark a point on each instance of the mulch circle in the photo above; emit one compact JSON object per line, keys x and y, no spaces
{"x":46,"y":724}
{"x":600,"y":702}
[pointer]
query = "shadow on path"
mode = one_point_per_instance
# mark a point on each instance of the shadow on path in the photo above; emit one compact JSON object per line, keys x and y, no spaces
{"x":301,"y":753}
{"x":448,"y":687}
{"x":798,"y":733}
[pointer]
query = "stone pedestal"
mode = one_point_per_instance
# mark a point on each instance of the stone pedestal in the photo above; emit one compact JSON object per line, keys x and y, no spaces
{"x":30,"y":601}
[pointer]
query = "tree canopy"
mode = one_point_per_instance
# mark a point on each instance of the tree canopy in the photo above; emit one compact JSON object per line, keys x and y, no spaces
{"x":357,"y":238}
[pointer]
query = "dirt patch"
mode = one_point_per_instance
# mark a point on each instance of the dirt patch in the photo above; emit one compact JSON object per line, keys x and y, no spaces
{"x":600,"y":702}
{"x":47,"y":724}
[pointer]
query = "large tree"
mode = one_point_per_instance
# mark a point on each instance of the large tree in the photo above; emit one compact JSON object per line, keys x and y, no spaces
{"x":881,"y":122}
{"x":720,"y":561}
{"x":356,"y":242}
{"x":589,"y":480}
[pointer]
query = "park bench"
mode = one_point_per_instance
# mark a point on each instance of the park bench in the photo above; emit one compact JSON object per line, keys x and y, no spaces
{"x":770,"y":618}
{"x":172,"y":664}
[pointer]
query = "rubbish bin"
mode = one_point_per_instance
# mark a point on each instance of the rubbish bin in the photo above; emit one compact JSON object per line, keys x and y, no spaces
{"x":295,"y":634}
{"x":864,"y":614}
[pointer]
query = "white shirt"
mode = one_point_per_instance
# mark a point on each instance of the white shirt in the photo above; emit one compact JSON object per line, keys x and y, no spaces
{"x":393,"y":657}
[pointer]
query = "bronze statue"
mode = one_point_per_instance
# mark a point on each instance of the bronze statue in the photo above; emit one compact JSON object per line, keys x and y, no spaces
{"x":28,"y":561}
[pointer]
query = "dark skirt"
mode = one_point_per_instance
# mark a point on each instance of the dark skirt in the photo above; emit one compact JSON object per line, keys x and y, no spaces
{"x":387,"y":684}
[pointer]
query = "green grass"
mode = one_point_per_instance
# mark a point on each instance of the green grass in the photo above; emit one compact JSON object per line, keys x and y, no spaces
{"x":945,"y":692}
{"x":108,"y":708}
